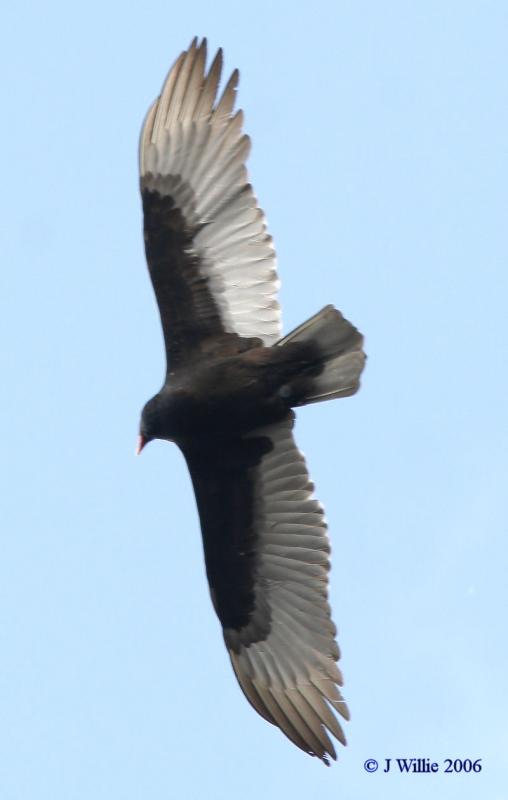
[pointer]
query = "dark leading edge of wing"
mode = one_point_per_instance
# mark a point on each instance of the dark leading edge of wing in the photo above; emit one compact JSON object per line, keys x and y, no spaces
{"x":211,"y":260}
{"x":266,"y":550}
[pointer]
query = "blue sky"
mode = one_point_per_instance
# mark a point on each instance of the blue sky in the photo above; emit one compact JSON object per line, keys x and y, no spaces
{"x":380,"y":137}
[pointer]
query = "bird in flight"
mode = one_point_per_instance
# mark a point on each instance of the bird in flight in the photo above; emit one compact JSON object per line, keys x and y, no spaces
{"x":227,"y":401}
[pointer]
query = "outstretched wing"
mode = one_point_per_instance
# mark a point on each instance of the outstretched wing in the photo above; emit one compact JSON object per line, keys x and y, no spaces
{"x":211,"y":260}
{"x":266,"y":551}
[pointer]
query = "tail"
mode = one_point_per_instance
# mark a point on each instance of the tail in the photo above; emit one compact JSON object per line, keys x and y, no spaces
{"x":339,"y":348}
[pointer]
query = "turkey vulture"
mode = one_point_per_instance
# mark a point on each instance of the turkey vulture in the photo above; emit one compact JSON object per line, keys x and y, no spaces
{"x":231,"y":384}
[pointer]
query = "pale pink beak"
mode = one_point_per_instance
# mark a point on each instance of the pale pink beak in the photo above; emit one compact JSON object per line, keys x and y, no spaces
{"x":141,"y":444}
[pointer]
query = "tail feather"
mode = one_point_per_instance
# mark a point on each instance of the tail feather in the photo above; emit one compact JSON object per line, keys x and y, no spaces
{"x":339,"y":345}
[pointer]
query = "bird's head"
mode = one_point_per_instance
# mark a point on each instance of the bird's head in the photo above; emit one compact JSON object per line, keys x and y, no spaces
{"x":161,"y":417}
{"x":150,"y":424}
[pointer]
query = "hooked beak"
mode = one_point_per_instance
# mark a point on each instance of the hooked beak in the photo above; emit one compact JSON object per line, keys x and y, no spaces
{"x":141,"y":444}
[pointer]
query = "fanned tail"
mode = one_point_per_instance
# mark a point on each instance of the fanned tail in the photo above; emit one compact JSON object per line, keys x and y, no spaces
{"x":339,"y":347}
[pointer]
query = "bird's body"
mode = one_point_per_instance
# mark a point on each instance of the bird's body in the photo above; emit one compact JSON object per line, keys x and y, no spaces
{"x":231,"y":384}
{"x":232,"y":394}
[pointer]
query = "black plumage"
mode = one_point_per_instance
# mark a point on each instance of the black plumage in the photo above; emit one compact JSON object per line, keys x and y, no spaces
{"x":230,"y":387}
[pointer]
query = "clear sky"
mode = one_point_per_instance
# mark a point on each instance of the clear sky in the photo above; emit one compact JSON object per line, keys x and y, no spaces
{"x":380,"y":157}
